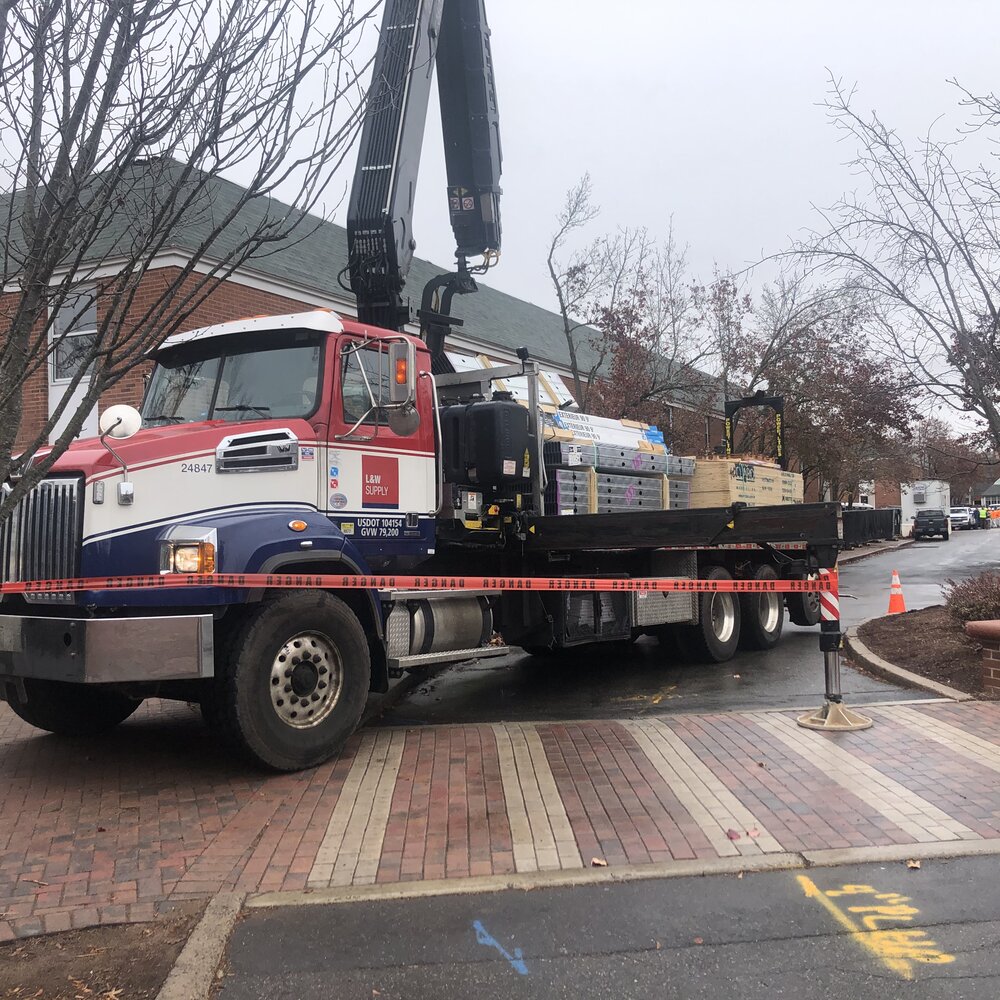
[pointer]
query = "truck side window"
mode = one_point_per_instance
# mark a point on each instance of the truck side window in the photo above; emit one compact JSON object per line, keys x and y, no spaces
{"x":357,"y":393}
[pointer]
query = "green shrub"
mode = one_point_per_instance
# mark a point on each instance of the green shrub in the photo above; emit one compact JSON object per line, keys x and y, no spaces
{"x":974,"y":600}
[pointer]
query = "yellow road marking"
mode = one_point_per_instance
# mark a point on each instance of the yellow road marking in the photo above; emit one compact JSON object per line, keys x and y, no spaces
{"x":897,"y":949}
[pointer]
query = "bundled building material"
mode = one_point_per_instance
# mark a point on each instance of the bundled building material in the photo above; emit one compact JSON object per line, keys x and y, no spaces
{"x":633,"y":467}
{"x":563,"y":425}
{"x":571,"y":491}
{"x":720,"y":482}
{"x":678,"y":466}
{"x":634,"y":461}
{"x":677,"y":494}
{"x":617,"y":494}
{"x":569,"y":454}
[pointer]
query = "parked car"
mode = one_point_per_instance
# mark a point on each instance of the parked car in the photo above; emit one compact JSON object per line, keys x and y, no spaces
{"x":931,"y":522}
{"x":962,"y":517}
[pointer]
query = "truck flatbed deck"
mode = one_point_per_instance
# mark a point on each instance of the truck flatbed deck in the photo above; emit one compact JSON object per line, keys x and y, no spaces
{"x":817,"y":526}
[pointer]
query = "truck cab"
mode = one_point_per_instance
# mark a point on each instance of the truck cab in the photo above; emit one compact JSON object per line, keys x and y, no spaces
{"x":293,"y":444}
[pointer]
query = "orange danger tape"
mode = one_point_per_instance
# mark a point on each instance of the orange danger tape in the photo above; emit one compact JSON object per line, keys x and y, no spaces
{"x":328,"y":581}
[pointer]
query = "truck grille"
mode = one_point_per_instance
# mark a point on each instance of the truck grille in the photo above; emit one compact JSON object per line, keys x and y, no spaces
{"x":41,"y":538}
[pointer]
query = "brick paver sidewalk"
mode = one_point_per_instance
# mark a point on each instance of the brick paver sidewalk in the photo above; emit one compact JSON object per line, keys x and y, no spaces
{"x":123,"y":828}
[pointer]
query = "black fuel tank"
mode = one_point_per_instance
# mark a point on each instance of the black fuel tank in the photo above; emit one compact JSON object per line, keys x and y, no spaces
{"x":486,"y":444}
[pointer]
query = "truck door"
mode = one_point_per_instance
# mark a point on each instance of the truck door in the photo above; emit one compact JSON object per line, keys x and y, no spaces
{"x":382,"y":485}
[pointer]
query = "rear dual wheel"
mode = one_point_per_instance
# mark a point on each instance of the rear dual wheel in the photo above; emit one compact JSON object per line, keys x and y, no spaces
{"x":716,"y":635}
{"x":763,"y":615}
{"x":804,"y":609}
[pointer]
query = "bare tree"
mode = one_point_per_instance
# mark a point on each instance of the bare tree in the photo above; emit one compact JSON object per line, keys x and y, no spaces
{"x":652,"y":327}
{"x":724,"y":306}
{"x":119,"y":118}
{"x":589,"y":280}
{"x":922,"y":240}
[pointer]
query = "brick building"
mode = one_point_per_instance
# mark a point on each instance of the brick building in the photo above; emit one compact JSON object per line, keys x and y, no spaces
{"x":300,"y":275}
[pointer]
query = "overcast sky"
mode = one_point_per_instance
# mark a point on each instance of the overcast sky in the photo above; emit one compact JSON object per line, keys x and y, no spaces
{"x":704,"y":111}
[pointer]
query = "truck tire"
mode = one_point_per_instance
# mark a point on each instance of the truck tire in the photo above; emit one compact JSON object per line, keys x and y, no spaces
{"x":803,"y":609}
{"x":716,"y":636}
{"x":293,"y":681}
{"x":763,"y":615}
{"x":71,"y":709}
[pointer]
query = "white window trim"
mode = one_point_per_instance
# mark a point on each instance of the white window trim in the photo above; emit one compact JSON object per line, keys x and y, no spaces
{"x":82,"y":332}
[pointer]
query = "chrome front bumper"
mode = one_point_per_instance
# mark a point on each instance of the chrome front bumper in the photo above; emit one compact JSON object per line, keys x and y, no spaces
{"x":107,"y":650}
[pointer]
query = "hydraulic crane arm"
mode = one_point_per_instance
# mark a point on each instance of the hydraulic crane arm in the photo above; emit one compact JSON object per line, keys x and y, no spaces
{"x":416,"y":36}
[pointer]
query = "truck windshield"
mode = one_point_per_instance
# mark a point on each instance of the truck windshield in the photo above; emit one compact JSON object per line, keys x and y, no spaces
{"x":235,"y":378}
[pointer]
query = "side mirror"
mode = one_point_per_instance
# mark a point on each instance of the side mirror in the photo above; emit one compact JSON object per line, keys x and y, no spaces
{"x":402,"y":373}
{"x":403,"y":420}
{"x":120,"y":421}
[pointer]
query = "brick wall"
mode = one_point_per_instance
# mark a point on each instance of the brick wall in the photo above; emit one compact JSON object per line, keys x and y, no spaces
{"x":226,"y":301}
{"x":887,"y":494}
{"x":987,"y":634}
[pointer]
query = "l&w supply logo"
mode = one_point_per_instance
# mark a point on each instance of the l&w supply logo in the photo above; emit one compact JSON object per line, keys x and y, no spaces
{"x":379,"y":482}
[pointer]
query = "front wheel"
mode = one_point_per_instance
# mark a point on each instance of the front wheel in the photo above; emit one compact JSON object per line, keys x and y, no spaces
{"x":294,"y":681}
{"x":763,"y":615}
{"x":716,"y":636}
{"x":71,"y":709}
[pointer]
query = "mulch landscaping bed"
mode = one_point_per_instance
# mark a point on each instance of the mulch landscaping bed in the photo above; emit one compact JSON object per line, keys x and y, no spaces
{"x":930,"y":643}
{"x":120,"y":962}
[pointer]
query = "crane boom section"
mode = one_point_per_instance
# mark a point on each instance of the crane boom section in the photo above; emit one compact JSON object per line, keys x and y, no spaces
{"x":416,"y":36}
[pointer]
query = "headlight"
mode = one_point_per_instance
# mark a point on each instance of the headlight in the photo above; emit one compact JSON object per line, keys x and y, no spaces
{"x":187,"y":557}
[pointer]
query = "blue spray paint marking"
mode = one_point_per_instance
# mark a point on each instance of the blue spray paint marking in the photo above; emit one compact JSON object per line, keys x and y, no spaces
{"x":516,"y":960}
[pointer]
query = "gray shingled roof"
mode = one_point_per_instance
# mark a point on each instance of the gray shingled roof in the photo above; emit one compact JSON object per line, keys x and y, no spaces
{"x":314,"y":258}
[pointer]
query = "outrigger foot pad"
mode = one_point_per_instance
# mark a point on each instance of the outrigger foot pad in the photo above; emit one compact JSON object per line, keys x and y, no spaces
{"x":835,"y":718}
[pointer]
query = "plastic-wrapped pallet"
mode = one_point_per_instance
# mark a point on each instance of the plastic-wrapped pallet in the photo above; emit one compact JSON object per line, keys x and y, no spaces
{"x":616,"y":494}
{"x":571,"y":491}
{"x":634,"y":461}
{"x":569,"y":454}
{"x":720,"y":482}
{"x":678,"y":494}
{"x":566,"y":425}
{"x":679,"y":466}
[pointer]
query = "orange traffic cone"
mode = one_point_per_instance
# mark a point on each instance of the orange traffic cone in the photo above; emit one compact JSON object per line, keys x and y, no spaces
{"x":896,"y":603}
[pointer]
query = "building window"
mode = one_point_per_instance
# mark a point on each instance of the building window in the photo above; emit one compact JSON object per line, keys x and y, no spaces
{"x":74,"y":334}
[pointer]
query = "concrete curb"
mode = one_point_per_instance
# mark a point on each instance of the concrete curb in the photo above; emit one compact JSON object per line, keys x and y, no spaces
{"x":524,"y":881}
{"x":903,"y":852}
{"x":193,"y":973}
{"x":846,"y":558}
{"x":889,"y":671}
{"x":527,"y":881}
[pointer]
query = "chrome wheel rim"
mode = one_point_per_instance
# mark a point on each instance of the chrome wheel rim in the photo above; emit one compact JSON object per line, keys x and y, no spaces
{"x":722,"y":615}
{"x":306,"y":680}
{"x":769,"y":612}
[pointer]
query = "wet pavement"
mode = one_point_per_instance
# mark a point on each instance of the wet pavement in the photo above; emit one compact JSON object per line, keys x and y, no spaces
{"x":610,"y":682}
{"x":865,"y":931}
{"x":924,"y":568}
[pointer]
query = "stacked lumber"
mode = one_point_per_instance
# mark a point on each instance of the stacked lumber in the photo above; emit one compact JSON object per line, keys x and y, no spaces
{"x":719,"y":482}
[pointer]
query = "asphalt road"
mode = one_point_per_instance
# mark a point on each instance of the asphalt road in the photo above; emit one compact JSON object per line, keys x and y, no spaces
{"x":923,"y":569}
{"x":766,"y":935}
{"x":605,"y":682}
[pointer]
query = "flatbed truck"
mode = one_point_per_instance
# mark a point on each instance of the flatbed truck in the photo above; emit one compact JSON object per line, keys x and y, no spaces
{"x":315,"y":443}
